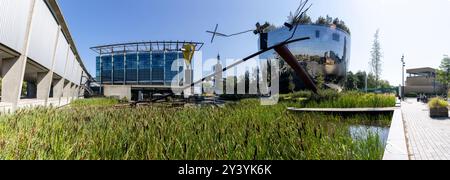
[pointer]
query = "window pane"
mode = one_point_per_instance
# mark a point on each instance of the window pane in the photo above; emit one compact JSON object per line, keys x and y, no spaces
{"x":119,"y":68}
{"x":107,"y":68}
{"x":131,"y":67}
{"x":336,"y":37}
{"x":158,"y":59}
{"x":98,"y":68}
{"x":144,"y":67}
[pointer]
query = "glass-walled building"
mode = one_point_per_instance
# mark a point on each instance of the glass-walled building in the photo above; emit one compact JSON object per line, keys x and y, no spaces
{"x":326,"y":54}
{"x":147,"y":63}
{"x":141,"y":67}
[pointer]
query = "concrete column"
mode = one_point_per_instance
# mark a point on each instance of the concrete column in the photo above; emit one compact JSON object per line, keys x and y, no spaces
{"x":66,"y":91}
{"x":58,"y":88}
{"x":13,"y":70}
{"x":45,"y":80}
{"x":44,"y":83}
{"x":75,"y":91}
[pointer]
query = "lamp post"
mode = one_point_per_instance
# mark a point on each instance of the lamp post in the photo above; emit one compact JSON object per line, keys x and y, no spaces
{"x":447,"y":78}
{"x":403,"y":77}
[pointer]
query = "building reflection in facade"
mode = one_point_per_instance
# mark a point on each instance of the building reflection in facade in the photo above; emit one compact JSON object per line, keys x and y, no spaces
{"x":326,"y":54}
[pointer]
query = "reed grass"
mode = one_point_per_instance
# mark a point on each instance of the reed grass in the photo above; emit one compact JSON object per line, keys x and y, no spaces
{"x":332,"y":99}
{"x":242,"y":131}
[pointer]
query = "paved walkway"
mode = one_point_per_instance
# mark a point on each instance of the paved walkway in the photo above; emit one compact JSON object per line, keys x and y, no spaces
{"x":428,"y":139}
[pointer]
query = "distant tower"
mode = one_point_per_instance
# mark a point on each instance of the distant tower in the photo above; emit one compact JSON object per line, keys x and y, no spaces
{"x":218,"y":58}
{"x":218,"y":79}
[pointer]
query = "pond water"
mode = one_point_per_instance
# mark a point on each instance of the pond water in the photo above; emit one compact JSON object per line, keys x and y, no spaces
{"x":362,"y":132}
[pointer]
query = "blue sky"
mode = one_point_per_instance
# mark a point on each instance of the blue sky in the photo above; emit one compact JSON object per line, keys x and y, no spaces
{"x":419,"y":29}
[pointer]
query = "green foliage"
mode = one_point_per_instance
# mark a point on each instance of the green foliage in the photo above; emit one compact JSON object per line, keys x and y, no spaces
{"x":101,"y":102}
{"x":243,"y":131}
{"x":357,"y":81}
{"x":24,"y":88}
{"x":443,"y":74}
{"x":333,"y":99}
{"x":328,"y":21}
{"x":320,"y":80}
{"x":437,"y":103}
{"x":291,"y":83}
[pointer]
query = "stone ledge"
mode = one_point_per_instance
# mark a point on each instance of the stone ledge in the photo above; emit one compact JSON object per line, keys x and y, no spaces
{"x":396,"y":147}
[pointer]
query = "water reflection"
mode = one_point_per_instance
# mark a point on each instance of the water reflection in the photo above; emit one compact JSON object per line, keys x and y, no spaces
{"x":362,"y":132}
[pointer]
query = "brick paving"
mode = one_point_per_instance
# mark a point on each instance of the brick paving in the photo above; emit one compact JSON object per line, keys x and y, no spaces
{"x":428,"y":139}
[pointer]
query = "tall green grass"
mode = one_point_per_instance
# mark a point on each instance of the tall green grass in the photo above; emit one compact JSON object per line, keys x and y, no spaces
{"x":242,"y":131}
{"x":101,"y":102}
{"x":332,"y":99}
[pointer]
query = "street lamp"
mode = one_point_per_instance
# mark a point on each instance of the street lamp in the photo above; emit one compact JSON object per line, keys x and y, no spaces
{"x":403,"y":77}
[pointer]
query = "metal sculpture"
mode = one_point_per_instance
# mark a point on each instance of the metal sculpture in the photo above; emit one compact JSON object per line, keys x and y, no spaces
{"x":280,"y":48}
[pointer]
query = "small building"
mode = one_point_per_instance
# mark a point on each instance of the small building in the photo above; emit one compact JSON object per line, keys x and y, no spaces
{"x":423,"y":81}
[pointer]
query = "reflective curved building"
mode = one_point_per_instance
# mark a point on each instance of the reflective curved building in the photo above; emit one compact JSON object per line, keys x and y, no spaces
{"x":325,"y":55}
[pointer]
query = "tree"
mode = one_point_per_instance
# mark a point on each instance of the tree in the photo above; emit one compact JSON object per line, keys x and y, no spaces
{"x":352,"y":81}
{"x":321,"y":21}
{"x":361,"y":80}
{"x":358,"y":81}
{"x":376,"y":60}
{"x":443,"y":75}
{"x":305,"y":19}
{"x":291,"y":85}
{"x":320,"y":80}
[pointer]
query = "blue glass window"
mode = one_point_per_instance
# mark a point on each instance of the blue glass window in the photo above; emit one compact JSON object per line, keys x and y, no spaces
{"x":131,"y":67}
{"x":158,"y":74}
{"x":119,"y":68}
{"x":98,"y":69}
{"x":181,"y":56}
{"x":157,"y":59}
{"x":336,"y":37}
{"x":106,"y":72}
{"x":171,"y":57}
{"x":145,"y":65}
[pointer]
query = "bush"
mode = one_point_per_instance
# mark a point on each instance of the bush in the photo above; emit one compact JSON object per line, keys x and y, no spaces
{"x":437,"y":103}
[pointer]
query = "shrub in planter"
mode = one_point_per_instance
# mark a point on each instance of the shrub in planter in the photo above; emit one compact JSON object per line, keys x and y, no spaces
{"x":438,"y":108}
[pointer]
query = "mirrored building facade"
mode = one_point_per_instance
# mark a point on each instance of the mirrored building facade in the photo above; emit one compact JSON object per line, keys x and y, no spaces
{"x":326,"y":54}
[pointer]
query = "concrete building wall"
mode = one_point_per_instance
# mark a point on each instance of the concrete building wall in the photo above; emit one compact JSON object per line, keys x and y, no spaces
{"x":420,"y":81}
{"x":13,"y":22}
{"x":36,"y":46}
{"x":43,"y":35}
{"x":423,"y":81}
{"x":120,"y":91}
{"x":61,"y":55}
